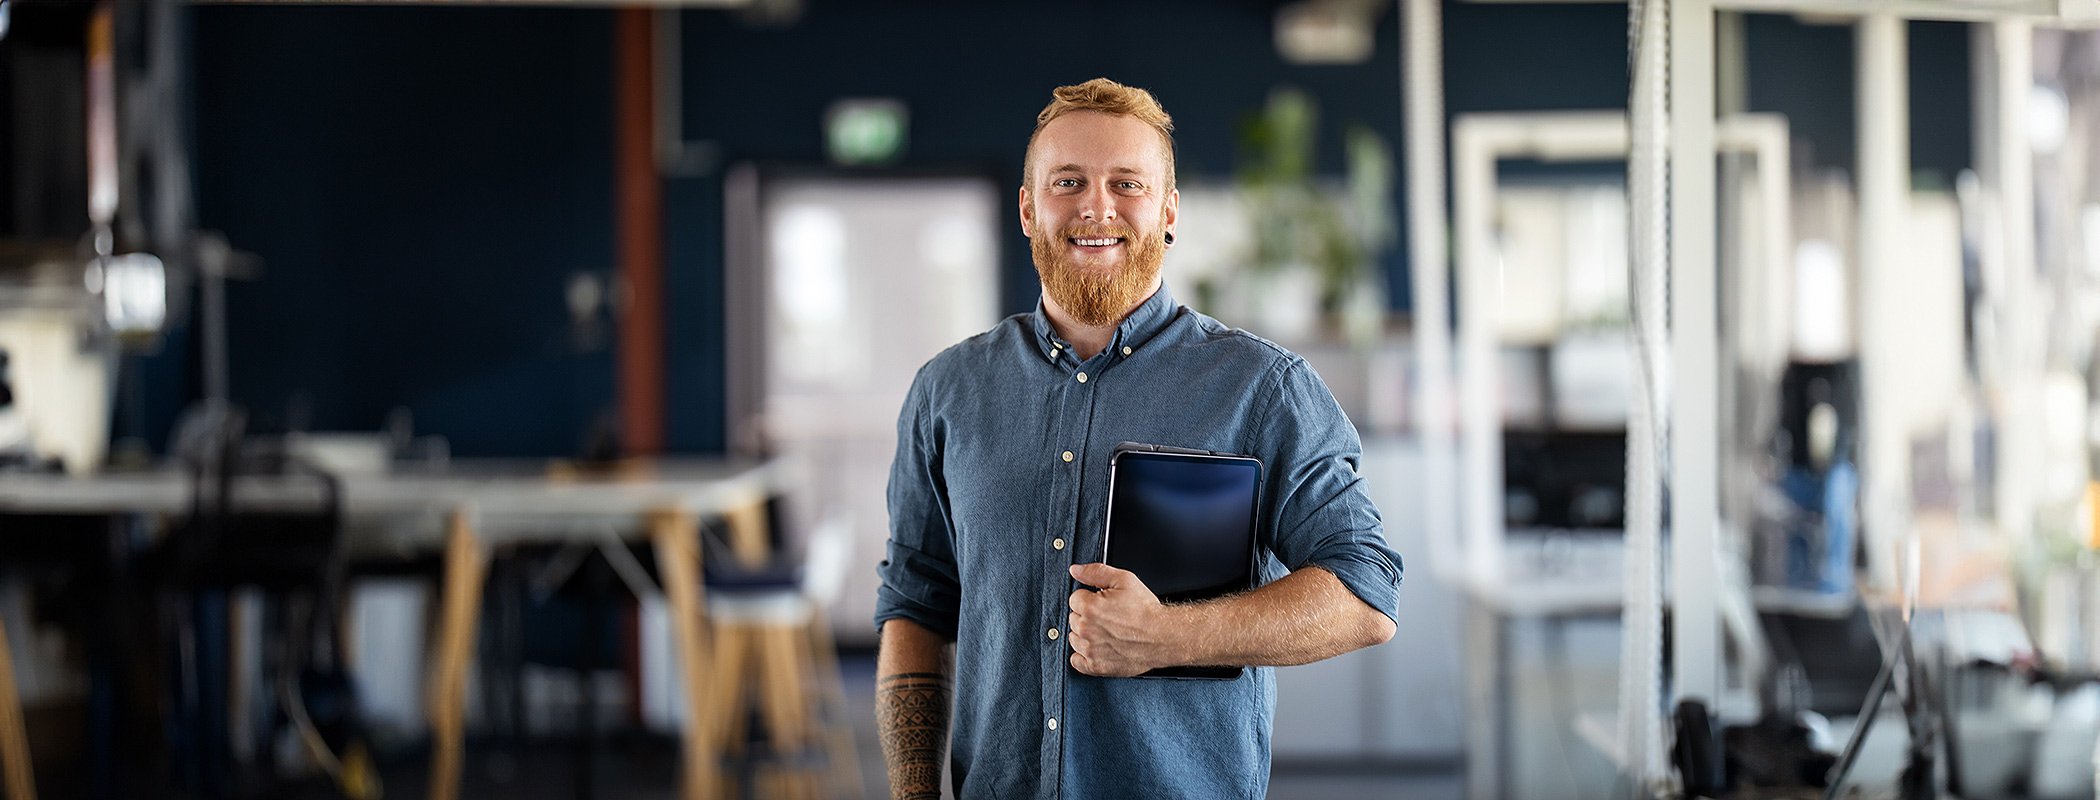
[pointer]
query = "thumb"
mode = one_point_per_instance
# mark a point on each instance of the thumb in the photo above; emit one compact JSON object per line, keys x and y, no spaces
{"x":1101,"y":576}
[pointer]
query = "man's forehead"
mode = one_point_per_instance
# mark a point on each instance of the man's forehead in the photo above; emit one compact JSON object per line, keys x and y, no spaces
{"x":1087,"y":141}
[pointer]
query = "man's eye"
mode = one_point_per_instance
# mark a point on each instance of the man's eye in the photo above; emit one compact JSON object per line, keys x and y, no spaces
{"x":1130,"y":186}
{"x":1065,"y":183}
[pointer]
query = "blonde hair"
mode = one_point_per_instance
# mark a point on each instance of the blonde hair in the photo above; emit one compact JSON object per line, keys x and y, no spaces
{"x":1107,"y":97}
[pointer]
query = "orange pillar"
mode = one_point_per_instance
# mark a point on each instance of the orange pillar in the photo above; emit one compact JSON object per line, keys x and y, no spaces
{"x":638,"y":219}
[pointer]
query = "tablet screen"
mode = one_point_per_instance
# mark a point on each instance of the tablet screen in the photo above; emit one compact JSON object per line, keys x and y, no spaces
{"x":1185,"y":524}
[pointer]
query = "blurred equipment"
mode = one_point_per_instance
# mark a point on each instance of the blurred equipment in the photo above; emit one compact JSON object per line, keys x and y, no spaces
{"x":59,"y":380}
{"x":14,"y":432}
{"x":1328,"y":31}
{"x":1809,"y":543}
{"x":1697,"y":751}
{"x":98,"y":244}
{"x":1777,"y":750}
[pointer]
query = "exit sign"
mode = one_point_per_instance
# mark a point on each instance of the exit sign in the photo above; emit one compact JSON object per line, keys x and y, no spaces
{"x":865,"y":131}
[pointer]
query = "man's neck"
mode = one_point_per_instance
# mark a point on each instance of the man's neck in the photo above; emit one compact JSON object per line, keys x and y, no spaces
{"x":1087,"y":340}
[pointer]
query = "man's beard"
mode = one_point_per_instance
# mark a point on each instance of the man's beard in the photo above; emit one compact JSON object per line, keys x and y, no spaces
{"x":1093,"y":297}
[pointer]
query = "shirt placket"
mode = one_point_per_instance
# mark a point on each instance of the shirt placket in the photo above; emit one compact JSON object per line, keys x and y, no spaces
{"x":1077,"y":402}
{"x":1068,"y":468}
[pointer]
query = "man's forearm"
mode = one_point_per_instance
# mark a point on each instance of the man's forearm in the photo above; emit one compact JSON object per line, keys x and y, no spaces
{"x":1303,"y":617}
{"x":912,"y":696}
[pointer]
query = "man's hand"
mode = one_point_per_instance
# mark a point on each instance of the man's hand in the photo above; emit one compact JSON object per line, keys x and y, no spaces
{"x":1303,"y":617}
{"x":1120,"y":631}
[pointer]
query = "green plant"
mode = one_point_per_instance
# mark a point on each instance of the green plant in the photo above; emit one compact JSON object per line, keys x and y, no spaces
{"x":1299,"y":222}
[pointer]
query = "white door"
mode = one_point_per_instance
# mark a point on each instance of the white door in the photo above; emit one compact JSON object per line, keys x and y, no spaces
{"x":862,"y":280}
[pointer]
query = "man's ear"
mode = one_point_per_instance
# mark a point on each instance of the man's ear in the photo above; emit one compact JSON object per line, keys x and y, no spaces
{"x":1027,"y":215}
{"x":1171,"y":212}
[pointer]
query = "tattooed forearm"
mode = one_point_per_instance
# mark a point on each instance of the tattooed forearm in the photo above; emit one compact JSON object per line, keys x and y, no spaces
{"x":911,"y":714}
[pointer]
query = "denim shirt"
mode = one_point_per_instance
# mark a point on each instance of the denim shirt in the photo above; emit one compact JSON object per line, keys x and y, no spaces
{"x":1001,"y":482}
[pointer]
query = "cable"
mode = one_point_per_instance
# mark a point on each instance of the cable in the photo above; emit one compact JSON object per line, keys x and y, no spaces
{"x":1647,"y":433}
{"x":1429,"y":254}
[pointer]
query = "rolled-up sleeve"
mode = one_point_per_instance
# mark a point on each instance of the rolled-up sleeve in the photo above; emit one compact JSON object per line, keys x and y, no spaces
{"x":919,"y":578}
{"x":1316,"y":499}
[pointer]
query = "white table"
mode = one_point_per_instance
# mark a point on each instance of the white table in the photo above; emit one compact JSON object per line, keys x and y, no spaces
{"x":460,"y":510}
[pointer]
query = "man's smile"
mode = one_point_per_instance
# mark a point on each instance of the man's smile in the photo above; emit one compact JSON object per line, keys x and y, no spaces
{"x":1097,"y":242}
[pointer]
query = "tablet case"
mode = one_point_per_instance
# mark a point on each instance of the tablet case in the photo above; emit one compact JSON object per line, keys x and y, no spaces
{"x":1184,"y":521}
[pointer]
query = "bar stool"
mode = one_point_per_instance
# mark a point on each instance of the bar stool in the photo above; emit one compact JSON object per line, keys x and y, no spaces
{"x":774,"y":658}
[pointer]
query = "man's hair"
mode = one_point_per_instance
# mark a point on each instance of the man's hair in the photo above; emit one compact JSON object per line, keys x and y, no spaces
{"x":1108,"y":97}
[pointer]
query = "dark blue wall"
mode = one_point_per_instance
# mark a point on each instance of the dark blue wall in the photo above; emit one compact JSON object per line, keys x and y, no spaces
{"x":421,"y":181}
{"x":1806,"y":71}
{"x":419,"y":184}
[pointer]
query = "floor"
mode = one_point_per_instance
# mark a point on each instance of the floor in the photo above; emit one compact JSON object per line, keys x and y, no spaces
{"x":645,"y":767}
{"x":1287,"y":782}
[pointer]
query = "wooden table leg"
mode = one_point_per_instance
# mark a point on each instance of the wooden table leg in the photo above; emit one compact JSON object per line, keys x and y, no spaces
{"x":843,"y":753}
{"x":465,"y":568}
{"x":678,"y":559}
{"x":749,"y":540}
{"x":783,"y":686}
{"x":14,"y":736}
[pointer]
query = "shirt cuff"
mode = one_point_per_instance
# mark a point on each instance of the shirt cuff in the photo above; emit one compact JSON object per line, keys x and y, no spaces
{"x":890,"y":605}
{"x":1371,"y":572}
{"x":919,"y":587}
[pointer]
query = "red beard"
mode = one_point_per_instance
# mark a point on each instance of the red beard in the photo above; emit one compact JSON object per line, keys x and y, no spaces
{"x":1097,"y":297}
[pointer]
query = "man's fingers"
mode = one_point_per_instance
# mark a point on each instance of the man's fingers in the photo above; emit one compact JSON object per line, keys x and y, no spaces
{"x":1102,"y":576}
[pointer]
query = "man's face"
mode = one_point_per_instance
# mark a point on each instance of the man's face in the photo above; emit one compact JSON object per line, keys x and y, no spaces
{"x":1096,"y":210}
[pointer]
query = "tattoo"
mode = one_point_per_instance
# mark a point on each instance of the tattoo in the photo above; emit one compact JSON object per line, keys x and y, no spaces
{"x":911,"y":715}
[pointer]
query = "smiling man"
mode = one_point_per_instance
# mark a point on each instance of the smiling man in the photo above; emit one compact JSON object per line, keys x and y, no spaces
{"x":998,"y":624}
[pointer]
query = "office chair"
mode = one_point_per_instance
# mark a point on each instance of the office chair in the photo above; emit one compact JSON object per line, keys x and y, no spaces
{"x":290,"y":550}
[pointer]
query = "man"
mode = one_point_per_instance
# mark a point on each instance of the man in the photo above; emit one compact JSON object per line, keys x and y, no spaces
{"x":998,"y":500}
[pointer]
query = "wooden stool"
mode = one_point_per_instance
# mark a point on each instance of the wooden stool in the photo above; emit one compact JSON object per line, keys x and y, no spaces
{"x":773,"y":653}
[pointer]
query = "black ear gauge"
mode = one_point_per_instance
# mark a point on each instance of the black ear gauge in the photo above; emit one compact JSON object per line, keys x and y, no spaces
{"x":1170,"y":238}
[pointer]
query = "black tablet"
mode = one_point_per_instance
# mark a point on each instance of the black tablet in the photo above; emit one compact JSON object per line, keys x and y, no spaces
{"x":1184,"y":521}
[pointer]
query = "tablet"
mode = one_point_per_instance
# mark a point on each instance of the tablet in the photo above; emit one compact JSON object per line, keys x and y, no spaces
{"x":1184,"y":521}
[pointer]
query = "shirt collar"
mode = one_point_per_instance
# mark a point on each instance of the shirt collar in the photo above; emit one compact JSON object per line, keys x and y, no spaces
{"x":1146,"y":321}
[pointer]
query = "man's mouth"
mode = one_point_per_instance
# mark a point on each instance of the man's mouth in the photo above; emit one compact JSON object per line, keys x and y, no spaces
{"x":1103,"y":241}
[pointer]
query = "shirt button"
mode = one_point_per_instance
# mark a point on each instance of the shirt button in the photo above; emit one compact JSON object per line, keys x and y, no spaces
{"x":1053,"y":634}
{"x":1126,"y":351}
{"x":1053,"y":723}
{"x":1057,"y":543}
{"x":1067,"y":456}
{"x":1082,"y":377}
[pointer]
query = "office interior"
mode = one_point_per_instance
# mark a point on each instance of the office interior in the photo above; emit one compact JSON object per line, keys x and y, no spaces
{"x":460,"y":399}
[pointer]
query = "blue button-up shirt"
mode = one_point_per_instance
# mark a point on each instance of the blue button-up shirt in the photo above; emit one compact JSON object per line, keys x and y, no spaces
{"x":1001,"y":482}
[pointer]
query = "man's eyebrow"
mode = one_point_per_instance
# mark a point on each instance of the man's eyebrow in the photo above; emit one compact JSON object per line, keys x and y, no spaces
{"x":1078,"y":168}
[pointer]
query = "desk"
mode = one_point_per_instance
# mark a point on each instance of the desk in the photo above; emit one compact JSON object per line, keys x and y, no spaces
{"x":460,"y":510}
{"x":1490,"y":611}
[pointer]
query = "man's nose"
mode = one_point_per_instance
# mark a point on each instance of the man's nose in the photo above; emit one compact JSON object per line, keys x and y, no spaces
{"x":1098,"y":204}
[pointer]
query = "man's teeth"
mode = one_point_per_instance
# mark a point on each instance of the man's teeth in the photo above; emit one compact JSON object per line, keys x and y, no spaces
{"x":1096,"y":242}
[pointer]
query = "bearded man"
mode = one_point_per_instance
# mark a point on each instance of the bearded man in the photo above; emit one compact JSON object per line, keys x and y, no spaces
{"x":998,"y":503}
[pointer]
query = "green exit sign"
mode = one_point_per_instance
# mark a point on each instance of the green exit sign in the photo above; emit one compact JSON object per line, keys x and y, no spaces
{"x":865,"y":132}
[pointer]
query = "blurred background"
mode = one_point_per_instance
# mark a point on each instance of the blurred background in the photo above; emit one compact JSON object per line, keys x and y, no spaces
{"x":462,"y":399}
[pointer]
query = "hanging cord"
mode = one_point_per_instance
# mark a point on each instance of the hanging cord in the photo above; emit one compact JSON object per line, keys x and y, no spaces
{"x":290,"y":694}
{"x":1647,"y":439}
{"x":1422,"y":74}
